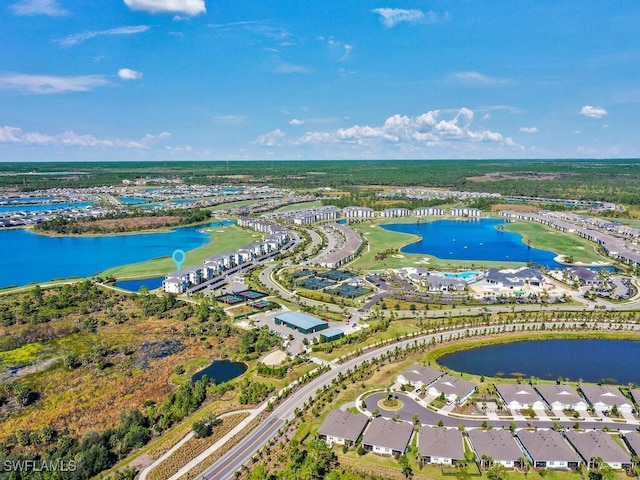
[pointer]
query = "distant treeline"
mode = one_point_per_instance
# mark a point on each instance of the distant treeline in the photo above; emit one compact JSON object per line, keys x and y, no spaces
{"x":606,"y":180}
{"x":66,"y":226}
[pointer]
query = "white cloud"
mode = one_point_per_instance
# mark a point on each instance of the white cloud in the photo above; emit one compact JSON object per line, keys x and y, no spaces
{"x":271,"y":139}
{"x":81,"y":37}
{"x":285,"y":67}
{"x":39,"y":7}
{"x":72,"y":139}
{"x":426,"y":130}
{"x":392,"y":16}
{"x":529,"y":129}
{"x":128,"y":74}
{"x":44,"y":84}
{"x":187,"y":7}
{"x":296,"y":121}
{"x":477,"y":78}
{"x":593,"y":112}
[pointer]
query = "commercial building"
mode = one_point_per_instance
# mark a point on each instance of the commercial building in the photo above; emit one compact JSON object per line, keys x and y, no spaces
{"x":331,"y":334}
{"x":301,"y":321}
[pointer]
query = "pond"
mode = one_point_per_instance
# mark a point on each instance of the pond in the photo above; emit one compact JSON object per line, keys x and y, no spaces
{"x":42,"y":207}
{"x":221,"y":371}
{"x":40,"y":258}
{"x":471,"y":240}
{"x":132,"y":200}
{"x":135,"y":285}
{"x":615,"y":361}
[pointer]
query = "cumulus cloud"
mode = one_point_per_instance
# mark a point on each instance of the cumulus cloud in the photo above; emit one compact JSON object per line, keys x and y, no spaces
{"x":477,"y":78}
{"x":39,"y":7}
{"x":392,"y":16}
{"x":186,"y":7}
{"x":529,"y":129}
{"x":426,"y":130}
{"x":593,"y":112}
{"x":46,"y":84}
{"x":296,"y":121}
{"x":15,"y":135}
{"x":81,"y":37}
{"x":129,"y":74}
{"x":271,"y":139}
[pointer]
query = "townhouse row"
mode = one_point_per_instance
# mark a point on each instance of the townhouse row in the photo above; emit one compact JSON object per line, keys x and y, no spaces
{"x":542,"y":448}
{"x":277,"y":237}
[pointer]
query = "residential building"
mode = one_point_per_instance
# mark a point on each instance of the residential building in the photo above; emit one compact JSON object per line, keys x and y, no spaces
{"x":358,"y":212}
{"x":632,"y":440}
{"x":562,"y":397}
{"x":440,"y":445}
{"x":419,"y":376}
{"x":387,"y":437}
{"x":454,"y":389}
{"x":585,"y":276}
{"x":396,"y":212}
{"x":173,"y":283}
{"x":603,"y":397}
{"x":466,"y":212}
{"x":495,"y":445}
{"x":342,"y":427}
{"x":547,"y":449}
{"x":517,"y":397}
{"x":599,"y":444}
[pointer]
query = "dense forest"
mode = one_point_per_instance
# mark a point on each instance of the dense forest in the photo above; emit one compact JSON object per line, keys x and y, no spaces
{"x":611,"y":180}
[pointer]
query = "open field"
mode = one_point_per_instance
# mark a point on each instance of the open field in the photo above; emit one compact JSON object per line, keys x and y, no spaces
{"x":226,"y":239}
{"x":545,"y":238}
{"x":298,"y":206}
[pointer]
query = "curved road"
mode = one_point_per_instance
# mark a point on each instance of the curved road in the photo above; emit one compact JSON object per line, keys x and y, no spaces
{"x":241,"y":454}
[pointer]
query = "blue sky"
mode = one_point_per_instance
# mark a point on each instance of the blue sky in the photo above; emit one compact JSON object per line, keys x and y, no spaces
{"x":318,"y":79}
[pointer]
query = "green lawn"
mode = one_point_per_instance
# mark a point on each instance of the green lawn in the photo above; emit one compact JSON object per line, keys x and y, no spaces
{"x":298,"y":206}
{"x":227,"y":239}
{"x":545,"y":238}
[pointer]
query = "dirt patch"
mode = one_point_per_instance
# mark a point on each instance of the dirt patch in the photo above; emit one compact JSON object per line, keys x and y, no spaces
{"x":515,"y":207}
{"x":274,"y":358}
{"x":129,"y":223}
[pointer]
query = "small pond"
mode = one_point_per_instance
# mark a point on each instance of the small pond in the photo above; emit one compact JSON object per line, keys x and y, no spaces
{"x":221,"y":371}
{"x":593,"y":360}
{"x":135,"y":285}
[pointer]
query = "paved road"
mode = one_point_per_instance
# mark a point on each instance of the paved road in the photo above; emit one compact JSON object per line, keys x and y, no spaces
{"x":238,"y":456}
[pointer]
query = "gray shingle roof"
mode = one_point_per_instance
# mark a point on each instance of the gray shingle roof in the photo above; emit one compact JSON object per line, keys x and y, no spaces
{"x":603,"y":394}
{"x":343,"y":424}
{"x":388,"y":434}
{"x":547,"y":445}
{"x":495,"y":443}
{"x":523,"y":393}
{"x":633,"y":439}
{"x":420,"y":373}
{"x":441,"y":442}
{"x":597,"y":443}
{"x":560,"y":393}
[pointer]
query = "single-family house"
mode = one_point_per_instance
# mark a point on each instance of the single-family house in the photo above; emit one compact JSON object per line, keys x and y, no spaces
{"x":342,"y":427}
{"x":454,"y":389}
{"x":562,"y":397}
{"x":387,"y":437}
{"x":440,"y":445}
{"x":547,"y":449}
{"x":599,"y":444}
{"x":632,"y":439}
{"x":635,"y":394}
{"x":419,"y":376}
{"x":495,"y":445}
{"x":517,"y":397}
{"x":603,"y":397}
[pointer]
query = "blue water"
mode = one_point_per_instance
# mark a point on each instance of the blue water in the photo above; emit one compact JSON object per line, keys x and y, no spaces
{"x":135,"y":285}
{"x":615,"y":361}
{"x":180,"y":202}
{"x":231,"y":191}
{"x":221,"y":371}
{"x":42,"y":208}
{"x":471,"y":240}
{"x":462,"y":275}
{"x":342,"y":222}
{"x":132,"y":200}
{"x":29,"y":257}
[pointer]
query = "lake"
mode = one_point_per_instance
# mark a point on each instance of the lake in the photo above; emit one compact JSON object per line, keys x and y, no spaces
{"x":616,"y":361}
{"x":43,"y":207}
{"x":30,"y":257}
{"x":132,"y":200}
{"x":221,"y":371}
{"x":471,"y":240}
{"x":135,"y":285}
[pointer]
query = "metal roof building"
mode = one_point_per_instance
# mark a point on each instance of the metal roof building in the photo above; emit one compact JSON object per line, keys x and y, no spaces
{"x":302,"y":322}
